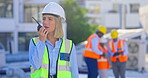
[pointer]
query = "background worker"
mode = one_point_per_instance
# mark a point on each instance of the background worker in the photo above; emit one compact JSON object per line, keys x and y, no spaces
{"x":118,"y":49}
{"x":103,"y":63}
{"x":50,"y":55}
{"x":91,"y":51}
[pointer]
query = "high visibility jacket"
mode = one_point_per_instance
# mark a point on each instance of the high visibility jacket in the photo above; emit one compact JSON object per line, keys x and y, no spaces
{"x":102,"y":61}
{"x":63,"y":66}
{"x":120,"y":48}
{"x":88,"y":48}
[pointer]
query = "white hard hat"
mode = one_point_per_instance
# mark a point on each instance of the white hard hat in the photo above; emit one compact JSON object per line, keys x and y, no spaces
{"x":55,"y":9}
{"x":103,"y":40}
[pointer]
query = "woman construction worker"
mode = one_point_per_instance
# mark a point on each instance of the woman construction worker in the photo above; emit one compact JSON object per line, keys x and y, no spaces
{"x":92,"y":52}
{"x":103,"y":63}
{"x":50,"y":55}
{"x":118,"y":50}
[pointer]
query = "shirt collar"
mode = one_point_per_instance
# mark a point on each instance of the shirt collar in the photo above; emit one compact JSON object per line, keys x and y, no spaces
{"x":57,"y":42}
{"x":96,"y":35}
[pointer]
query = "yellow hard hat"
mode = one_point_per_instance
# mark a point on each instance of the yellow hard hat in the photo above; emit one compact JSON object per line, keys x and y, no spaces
{"x":102,"y":29}
{"x":114,"y":34}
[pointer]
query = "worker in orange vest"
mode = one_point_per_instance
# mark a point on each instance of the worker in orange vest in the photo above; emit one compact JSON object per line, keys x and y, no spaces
{"x":91,"y":52}
{"x":118,"y":50}
{"x":103,"y":63}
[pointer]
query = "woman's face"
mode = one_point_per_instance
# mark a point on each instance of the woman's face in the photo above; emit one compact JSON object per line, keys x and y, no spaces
{"x":49,"y":23}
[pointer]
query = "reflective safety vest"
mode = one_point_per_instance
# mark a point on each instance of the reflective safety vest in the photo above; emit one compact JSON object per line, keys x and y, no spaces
{"x":88,"y":48}
{"x":120,"y":48}
{"x":63,"y":64}
{"x":102,"y":61}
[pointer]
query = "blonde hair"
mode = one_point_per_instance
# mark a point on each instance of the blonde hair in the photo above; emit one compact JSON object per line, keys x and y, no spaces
{"x":58,"y":28}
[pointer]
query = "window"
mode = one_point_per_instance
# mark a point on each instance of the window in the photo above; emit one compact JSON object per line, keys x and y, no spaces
{"x":134,"y":8}
{"x":32,"y":11}
{"x":24,"y":40}
{"x":1,"y":47}
{"x":5,"y":38}
{"x":94,"y":8}
{"x":115,"y":8}
{"x":6,"y":8}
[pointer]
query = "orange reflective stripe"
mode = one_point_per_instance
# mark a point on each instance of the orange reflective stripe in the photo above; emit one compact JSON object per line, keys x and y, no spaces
{"x":88,"y":48}
{"x":103,"y":49}
{"x":112,"y":46}
{"x":123,"y":58}
{"x":103,"y":65}
{"x":113,"y":58}
{"x":89,"y":44}
{"x":121,"y":46}
{"x":121,"y":49}
{"x":102,"y":61}
{"x":91,"y":54}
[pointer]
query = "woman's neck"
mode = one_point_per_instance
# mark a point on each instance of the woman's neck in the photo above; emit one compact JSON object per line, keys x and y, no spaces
{"x":51,"y":38}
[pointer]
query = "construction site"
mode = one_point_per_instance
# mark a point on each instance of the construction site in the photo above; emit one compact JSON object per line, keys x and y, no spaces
{"x":129,"y":18}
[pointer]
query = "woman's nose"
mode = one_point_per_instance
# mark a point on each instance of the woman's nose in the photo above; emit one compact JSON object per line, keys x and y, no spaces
{"x":44,"y":21}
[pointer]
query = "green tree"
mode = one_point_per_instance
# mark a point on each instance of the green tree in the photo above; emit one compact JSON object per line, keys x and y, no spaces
{"x":77,"y":27}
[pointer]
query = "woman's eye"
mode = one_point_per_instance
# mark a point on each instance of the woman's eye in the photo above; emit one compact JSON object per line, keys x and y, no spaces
{"x":43,"y":18}
{"x":49,"y":18}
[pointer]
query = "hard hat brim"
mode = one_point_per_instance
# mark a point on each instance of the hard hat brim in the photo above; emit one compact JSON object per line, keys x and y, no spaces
{"x":50,"y":14}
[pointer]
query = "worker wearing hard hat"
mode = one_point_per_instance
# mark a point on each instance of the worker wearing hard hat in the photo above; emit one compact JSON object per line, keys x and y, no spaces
{"x":50,"y":55}
{"x":103,"y":63}
{"x":91,"y":52}
{"x":118,"y":50}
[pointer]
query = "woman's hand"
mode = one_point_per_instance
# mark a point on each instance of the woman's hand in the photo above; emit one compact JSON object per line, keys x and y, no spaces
{"x":42,"y":34}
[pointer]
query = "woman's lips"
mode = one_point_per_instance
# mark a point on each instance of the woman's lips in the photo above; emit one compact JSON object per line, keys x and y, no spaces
{"x":46,"y":27}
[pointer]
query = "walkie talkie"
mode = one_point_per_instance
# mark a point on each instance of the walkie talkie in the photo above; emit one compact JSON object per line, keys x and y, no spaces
{"x":39,"y":26}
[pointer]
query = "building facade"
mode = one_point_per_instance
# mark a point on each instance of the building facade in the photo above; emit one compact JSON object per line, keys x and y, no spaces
{"x":115,"y":13}
{"x":17,"y":26}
